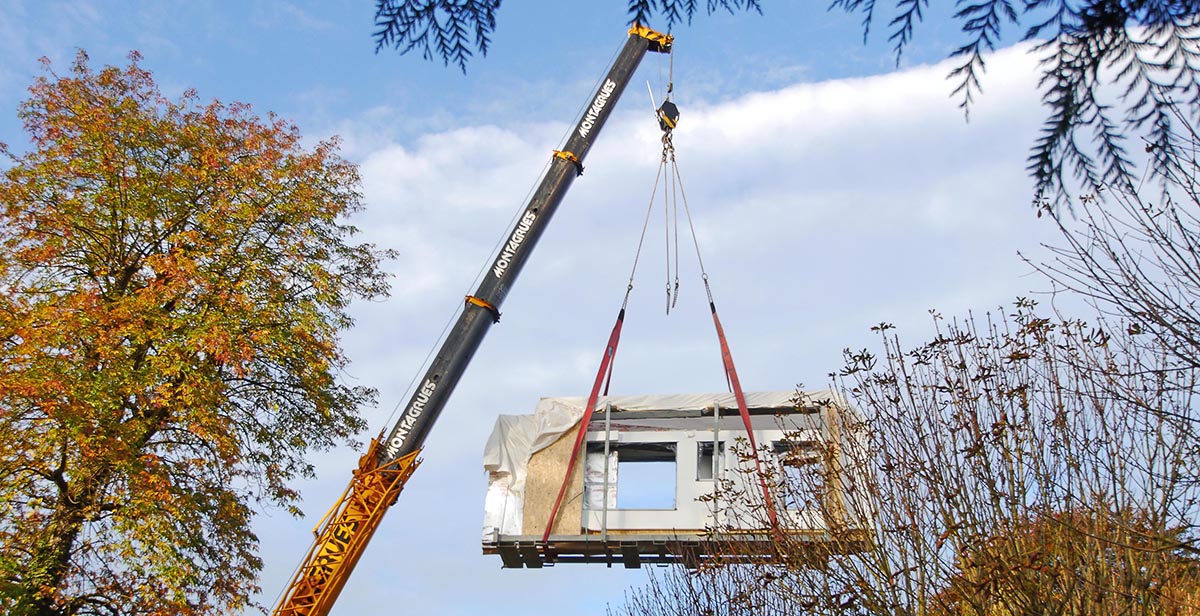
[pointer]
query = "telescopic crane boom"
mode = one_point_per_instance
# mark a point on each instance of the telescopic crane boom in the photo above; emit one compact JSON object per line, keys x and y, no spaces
{"x":383,"y":470}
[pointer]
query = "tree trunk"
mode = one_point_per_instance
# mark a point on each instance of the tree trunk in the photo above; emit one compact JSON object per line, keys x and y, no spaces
{"x":51,"y":556}
{"x":52,"y":546}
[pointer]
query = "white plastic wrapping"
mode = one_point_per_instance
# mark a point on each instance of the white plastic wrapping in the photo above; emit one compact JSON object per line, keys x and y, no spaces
{"x":505,"y":457}
{"x":594,"y":485}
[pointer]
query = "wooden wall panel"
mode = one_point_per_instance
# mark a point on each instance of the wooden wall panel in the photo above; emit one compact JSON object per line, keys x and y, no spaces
{"x":542,"y":482}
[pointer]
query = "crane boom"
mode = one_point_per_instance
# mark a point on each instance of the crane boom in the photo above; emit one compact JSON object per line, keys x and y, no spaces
{"x":343,"y":533}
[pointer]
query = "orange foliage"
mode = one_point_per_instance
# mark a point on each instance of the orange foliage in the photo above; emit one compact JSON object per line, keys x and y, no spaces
{"x":174,"y":276}
{"x":1080,"y":562}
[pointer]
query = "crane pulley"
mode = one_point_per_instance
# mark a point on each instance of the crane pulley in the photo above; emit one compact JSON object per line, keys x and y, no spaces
{"x":668,"y":117}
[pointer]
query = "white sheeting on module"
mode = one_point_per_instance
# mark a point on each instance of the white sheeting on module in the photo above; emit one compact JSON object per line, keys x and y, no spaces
{"x":514,"y":439}
{"x":517,"y":437}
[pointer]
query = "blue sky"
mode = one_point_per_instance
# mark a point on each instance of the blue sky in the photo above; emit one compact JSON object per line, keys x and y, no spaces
{"x":831,"y":190}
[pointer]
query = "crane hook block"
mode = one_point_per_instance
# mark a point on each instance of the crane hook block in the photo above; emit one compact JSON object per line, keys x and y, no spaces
{"x":668,"y":116}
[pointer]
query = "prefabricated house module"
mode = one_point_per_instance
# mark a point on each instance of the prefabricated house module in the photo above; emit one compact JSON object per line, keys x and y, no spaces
{"x":668,"y":478}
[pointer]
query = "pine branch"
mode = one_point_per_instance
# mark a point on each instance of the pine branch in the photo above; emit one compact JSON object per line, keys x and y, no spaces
{"x":441,"y":28}
{"x":866,"y":7}
{"x":640,"y":11}
{"x":983,"y":22}
{"x":904,"y":23}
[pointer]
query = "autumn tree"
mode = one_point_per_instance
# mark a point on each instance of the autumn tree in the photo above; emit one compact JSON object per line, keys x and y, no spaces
{"x":1076,"y":562}
{"x":173,"y":279}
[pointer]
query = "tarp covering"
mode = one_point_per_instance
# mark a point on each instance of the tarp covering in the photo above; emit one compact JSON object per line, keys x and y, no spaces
{"x":514,"y":439}
{"x":517,"y":437}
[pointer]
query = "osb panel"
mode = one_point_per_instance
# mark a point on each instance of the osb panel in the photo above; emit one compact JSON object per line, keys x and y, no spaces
{"x":543,"y":479}
{"x":835,"y":503}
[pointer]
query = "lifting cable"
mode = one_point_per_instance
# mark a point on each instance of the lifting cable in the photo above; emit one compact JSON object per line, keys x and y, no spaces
{"x":668,"y":115}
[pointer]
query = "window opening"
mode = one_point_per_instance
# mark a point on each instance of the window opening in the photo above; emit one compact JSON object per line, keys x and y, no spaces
{"x":706,"y":465}
{"x":645,"y":475}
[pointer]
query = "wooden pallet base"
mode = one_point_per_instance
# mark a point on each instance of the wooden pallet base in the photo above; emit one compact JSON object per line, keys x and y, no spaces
{"x":633,"y":551}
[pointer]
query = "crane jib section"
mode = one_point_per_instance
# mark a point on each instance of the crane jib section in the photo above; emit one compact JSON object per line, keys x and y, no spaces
{"x":464,"y":338}
{"x":389,"y":461}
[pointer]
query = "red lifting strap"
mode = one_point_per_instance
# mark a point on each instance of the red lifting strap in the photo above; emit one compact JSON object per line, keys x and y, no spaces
{"x":744,"y":411}
{"x":609,"y":351}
